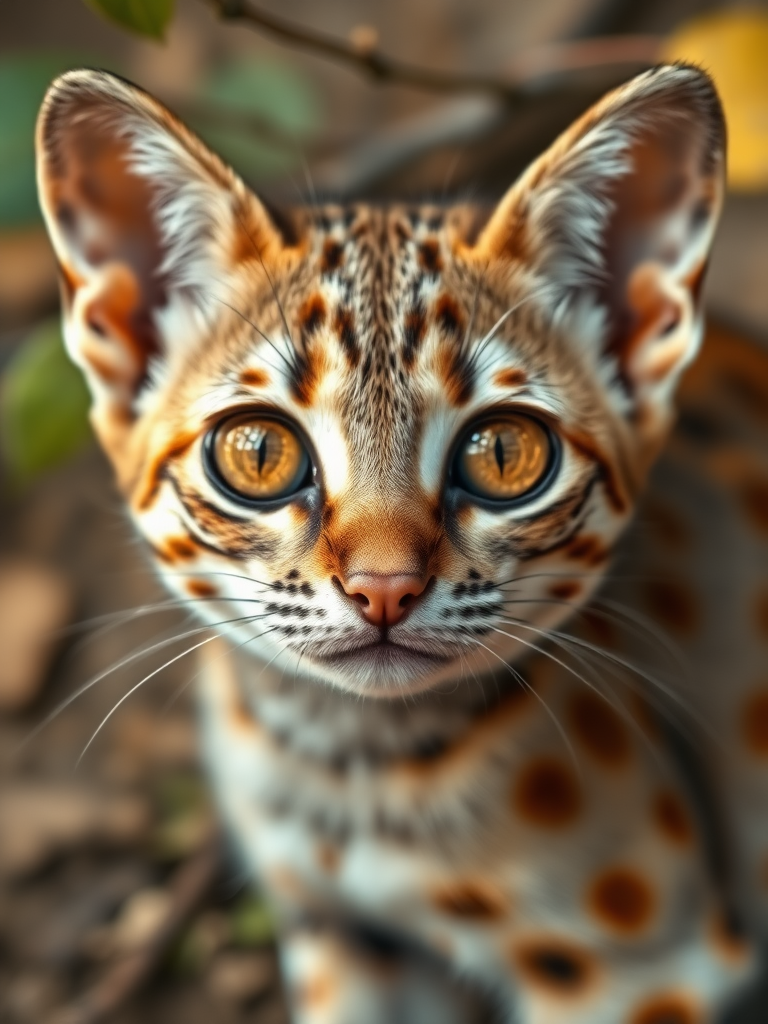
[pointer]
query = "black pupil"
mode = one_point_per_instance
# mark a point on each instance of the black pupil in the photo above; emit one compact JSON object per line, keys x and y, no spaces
{"x":262,"y":452}
{"x":498,"y":450}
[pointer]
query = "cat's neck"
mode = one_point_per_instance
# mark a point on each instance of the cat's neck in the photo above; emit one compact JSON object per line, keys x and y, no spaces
{"x":321,"y":722}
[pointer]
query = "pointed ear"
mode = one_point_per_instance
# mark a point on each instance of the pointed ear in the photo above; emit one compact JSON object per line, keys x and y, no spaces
{"x":616,"y":219}
{"x":148,"y":226}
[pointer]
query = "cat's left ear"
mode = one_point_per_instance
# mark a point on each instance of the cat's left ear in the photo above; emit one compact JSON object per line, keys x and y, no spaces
{"x":616,"y":220}
{"x":148,"y":226}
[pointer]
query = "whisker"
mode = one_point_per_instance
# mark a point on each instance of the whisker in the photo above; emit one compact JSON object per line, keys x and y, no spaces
{"x":484,"y":342}
{"x":532,"y":690}
{"x":121,"y":663}
{"x":134,"y":688}
{"x":632,"y":626}
{"x":669,"y":692}
{"x":259,"y":331}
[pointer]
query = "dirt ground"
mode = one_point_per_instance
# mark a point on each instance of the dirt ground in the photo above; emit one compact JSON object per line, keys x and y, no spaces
{"x":118,"y":901}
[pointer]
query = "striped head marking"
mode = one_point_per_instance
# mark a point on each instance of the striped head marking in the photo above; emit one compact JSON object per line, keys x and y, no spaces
{"x":387,"y":445}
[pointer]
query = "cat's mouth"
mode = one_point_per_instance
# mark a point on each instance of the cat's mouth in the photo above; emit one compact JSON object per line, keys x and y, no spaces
{"x":382,"y":655}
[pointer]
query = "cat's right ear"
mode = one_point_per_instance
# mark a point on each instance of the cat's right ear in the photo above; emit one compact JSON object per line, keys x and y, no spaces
{"x":148,"y":226}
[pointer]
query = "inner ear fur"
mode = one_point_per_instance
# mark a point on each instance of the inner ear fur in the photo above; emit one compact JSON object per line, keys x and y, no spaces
{"x":147,"y":224}
{"x":620,"y":212}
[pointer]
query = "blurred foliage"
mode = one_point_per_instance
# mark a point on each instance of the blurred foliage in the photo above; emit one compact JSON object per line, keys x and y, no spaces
{"x":271,"y":92}
{"x":733,"y":46}
{"x":43,"y":406}
{"x":23,"y":81}
{"x":252,"y":922}
{"x":147,"y":17}
{"x":185,"y":816}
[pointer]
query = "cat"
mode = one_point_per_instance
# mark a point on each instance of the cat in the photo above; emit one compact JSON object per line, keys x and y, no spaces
{"x":385,"y":453}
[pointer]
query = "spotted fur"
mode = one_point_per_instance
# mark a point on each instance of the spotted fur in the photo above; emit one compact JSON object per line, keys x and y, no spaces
{"x":505,"y":805}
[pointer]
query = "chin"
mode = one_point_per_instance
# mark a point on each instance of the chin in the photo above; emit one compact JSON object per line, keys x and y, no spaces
{"x":376,"y":670}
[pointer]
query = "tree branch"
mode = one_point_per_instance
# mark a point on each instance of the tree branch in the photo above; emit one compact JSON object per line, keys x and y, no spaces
{"x":368,"y":60}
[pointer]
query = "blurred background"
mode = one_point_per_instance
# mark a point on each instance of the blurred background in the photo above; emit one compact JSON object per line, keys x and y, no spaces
{"x":115,"y":901}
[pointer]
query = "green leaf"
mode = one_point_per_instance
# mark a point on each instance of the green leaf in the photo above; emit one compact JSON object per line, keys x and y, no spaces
{"x":252,"y":922}
{"x":273,"y":91}
{"x":146,"y":17}
{"x":23,"y":81}
{"x":43,"y":406}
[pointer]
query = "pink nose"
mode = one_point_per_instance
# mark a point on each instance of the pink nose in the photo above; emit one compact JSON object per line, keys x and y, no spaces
{"x":384,"y":600}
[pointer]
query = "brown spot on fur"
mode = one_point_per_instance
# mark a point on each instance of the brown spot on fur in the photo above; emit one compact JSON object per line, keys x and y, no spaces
{"x":672,"y":817}
{"x":472,"y":900}
{"x":312,"y":315}
{"x":754,"y":499}
{"x":547,"y":794}
{"x":344,"y":326}
{"x":414,"y":329}
{"x":565,"y":591}
{"x":332,"y":257}
{"x":667,"y":1009}
{"x":309,"y":370}
{"x":154,"y":476}
{"x":181,"y":548}
{"x":672,"y":605}
{"x":623,"y":900}
{"x":456,"y":375}
{"x":200,"y":588}
{"x":510,"y":378}
{"x":429,"y":256}
{"x":448,"y":316}
{"x":253,"y":377}
{"x":754,"y":721}
{"x":554,"y":966}
{"x":589,"y":549}
{"x":600,"y":730}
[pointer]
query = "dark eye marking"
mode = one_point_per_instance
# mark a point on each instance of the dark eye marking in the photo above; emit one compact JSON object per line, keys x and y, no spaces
{"x":344,"y":326}
{"x":237,"y":537}
{"x":448,"y":316}
{"x":414,"y":329}
{"x":312,"y":315}
{"x":333,"y":256}
{"x":429,"y":256}
{"x":562,"y":521}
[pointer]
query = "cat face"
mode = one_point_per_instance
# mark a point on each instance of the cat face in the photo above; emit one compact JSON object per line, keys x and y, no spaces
{"x":382,"y":447}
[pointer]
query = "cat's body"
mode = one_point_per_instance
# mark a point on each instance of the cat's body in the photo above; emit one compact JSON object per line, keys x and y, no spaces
{"x":388,"y":453}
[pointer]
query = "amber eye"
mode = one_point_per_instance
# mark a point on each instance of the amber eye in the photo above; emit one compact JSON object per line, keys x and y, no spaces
{"x":504,"y":459}
{"x":260,"y":459}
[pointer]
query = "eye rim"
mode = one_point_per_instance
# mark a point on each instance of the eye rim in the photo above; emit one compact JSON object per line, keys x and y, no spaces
{"x":215,"y":477}
{"x":542,"y":485}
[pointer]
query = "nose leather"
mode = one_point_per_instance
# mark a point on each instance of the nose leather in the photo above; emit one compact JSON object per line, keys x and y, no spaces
{"x":384,"y":599}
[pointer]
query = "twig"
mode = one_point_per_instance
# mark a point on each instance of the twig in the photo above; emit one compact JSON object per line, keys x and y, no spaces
{"x":188,"y":888}
{"x":382,"y":68}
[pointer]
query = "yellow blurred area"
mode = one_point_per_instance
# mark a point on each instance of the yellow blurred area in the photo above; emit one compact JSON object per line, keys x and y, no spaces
{"x":733,"y":47}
